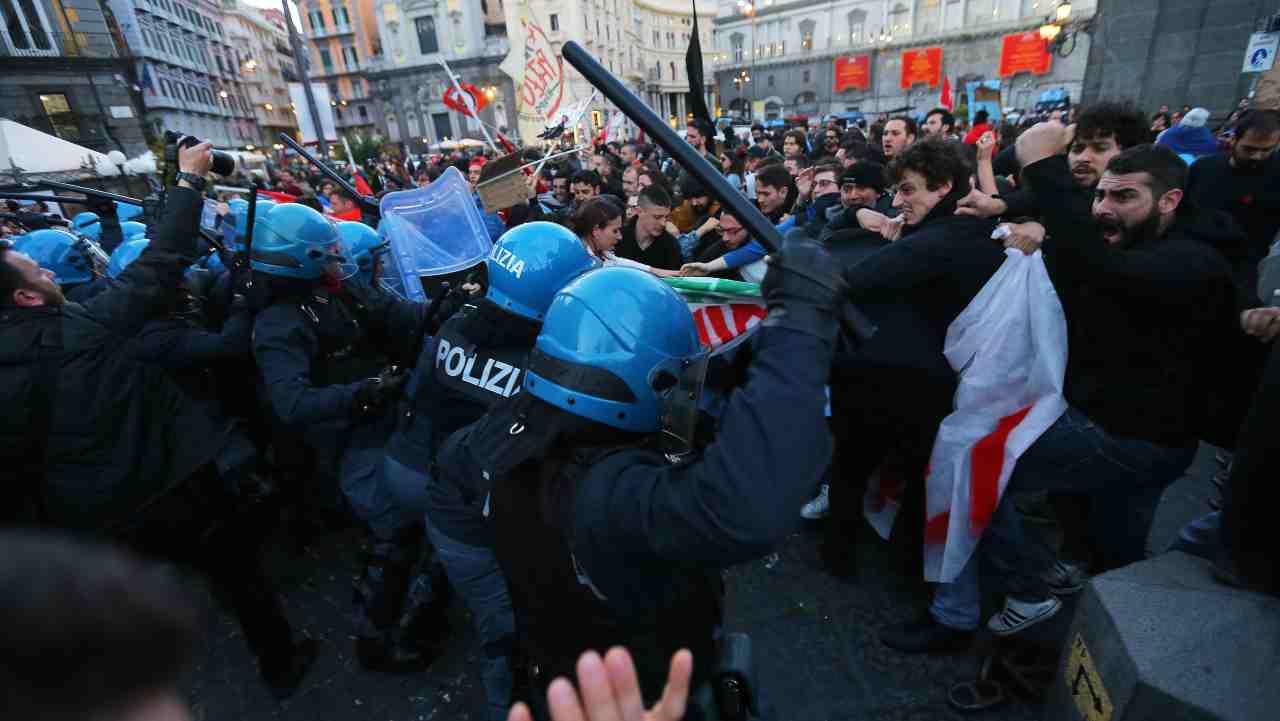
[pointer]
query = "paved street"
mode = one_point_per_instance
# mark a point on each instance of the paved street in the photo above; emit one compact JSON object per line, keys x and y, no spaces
{"x":814,"y":640}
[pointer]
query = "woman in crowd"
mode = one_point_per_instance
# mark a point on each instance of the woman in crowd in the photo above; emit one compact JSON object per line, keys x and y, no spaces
{"x":598,"y":222}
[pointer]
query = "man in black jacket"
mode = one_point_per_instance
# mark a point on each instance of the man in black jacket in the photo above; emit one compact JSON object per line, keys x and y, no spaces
{"x":1145,"y":296}
{"x":892,"y":394}
{"x":645,"y":239}
{"x":96,"y":442}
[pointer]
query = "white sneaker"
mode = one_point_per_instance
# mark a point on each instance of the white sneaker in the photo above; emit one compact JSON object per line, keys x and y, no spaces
{"x":818,"y":507}
{"x":1064,"y":578}
{"x":1018,"y":615}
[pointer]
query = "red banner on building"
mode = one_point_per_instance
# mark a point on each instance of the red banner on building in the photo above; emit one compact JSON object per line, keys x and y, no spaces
{"x":854,"y":72}
{"x":1024,"y":53}
{"x":921,"y":66}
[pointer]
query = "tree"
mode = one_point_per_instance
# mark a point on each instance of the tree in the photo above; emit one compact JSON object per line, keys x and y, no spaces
{"x":365,"y":147}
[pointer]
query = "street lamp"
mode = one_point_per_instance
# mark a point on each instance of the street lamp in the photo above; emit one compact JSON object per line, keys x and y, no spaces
{"x":1061,"y":32}
{"x":269,"y":107}
{"x":250,"y":65}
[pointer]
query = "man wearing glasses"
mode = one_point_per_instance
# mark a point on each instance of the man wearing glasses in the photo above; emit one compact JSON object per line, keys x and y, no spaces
{"x":818,"y":197}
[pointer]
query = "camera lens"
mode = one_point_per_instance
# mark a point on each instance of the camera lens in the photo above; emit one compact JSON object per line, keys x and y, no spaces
{"x":223,"y":163}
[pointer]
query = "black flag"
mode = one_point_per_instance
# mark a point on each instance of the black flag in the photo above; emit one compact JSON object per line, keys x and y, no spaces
{"x":697,"y":102}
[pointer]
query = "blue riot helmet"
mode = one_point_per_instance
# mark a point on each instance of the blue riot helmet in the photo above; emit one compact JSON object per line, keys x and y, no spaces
{"x":133,"y":230}
{"x":88,"y":224}
{"x":213,"y":263}
{"x":127,"y":211}
{"x":619,"y":347}
{"x":294,"y":241}
{"x":532,"y":261}
{"x":238,"y":219}
{"x":57,"y":251}
{"x":362,"y":246}
{"x":126,"y":253}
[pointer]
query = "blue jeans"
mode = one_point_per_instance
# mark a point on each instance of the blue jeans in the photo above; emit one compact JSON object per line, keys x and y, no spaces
{"x":1123,"y":478}
{"x":476,"y":576}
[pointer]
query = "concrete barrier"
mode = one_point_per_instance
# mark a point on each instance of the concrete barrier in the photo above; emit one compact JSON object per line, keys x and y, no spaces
{"x":1163,"y":640}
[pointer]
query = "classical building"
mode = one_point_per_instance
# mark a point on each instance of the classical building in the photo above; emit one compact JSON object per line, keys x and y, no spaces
{"x":642,"y":42}
{"x":66,"y":72}
{"x":268,"y":69}
{"x":409,"y":83}
{"x":811,"y":57}
{"x":188,"y":69}
{"x":342,"y":36}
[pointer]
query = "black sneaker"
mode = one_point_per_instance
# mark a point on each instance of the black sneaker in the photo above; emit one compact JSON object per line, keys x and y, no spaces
{"x":924,"y":635}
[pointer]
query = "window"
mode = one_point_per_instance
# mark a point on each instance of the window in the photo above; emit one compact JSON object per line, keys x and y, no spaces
{"x":857,"y":26}
{"x":58,"y":111}
{"x":805,"y":76}
{"x":25,"y":24}
{"x":349,"y":56}
{"x":364,"y":112}
{"x":657,"y":38}
{"x":316,"y":18}
{"x":806,"y":35}
{"x":929,"y":16}
{"x":442,"y":126}
{"x":770,"y":82}
{"x":555,"y":23}
{"x":673,"y":72}
{"x":898,"y":20}
{"x":333,"y":89}
{"x":326,"y":60}
{"x":735,"y":43}
{"x":340,"y":17}
{"x":979,"y":11}
{"x":427,"y":44}
{"x":806,"y":99}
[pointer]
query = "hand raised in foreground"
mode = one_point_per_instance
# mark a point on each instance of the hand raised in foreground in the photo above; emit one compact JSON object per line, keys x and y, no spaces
{"x":610,"y":691}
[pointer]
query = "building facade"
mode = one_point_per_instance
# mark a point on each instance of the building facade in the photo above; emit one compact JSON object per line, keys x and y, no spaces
{"x":642,"y":42}
{"x":813,"y":57}
{"x":342,"y":38}
{"x":1160,"y":52}
{"x":409,"y":83}
{"x":189,"y":70}
{"x":268,"y":69}
{"x":65,"y":72}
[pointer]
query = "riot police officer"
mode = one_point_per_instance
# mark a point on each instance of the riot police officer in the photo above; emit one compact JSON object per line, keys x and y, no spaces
{"x":324,"y":349}
{"x":477,"y":358}
{"x":608,"y":530}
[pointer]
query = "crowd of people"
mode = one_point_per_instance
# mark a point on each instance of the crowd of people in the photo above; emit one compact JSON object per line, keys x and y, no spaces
{"x":534,"y":441}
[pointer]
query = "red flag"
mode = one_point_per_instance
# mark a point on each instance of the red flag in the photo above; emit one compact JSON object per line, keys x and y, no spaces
{"x":944,"y":99}
{"x":453,"y":100}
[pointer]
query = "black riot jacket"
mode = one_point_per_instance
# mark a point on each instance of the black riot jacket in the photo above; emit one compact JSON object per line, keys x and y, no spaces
{"x":475,"y":359}
{"x":118,"y":433}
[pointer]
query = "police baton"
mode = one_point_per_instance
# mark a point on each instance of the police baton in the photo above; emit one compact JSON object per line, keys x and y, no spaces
{"x":711,"y":178}
{"x":368,"y":202}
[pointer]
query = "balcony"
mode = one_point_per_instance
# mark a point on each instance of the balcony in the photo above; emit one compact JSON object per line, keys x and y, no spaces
{"x":330,"y":32}
{"x":55,"y":45}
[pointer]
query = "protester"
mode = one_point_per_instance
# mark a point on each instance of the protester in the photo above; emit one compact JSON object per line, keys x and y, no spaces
{"x":980,"y":127}
{"x":899,"y":132}
{"x":645,"y":238}
{"x":939,"y":123}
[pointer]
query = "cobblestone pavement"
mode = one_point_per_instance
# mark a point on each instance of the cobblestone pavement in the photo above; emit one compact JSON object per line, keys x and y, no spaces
{"x":814,"y":639}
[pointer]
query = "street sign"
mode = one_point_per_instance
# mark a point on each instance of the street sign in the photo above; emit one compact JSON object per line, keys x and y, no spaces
{"x":1261,"y":53}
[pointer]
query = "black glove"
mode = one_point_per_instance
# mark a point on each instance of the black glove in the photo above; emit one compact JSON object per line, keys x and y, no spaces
{"x":103,"y":207}
{"x":803,"y":289}
{"x":375,"y":394}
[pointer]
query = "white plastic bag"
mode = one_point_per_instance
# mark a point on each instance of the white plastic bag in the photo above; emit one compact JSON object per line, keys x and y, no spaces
{"x":1010,"y":348}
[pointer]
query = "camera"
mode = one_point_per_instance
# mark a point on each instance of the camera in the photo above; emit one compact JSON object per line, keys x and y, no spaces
{"x":223,"y":163}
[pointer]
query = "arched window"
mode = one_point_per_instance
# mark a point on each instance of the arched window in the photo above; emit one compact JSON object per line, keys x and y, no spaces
{"x":411,"y":122}
{"x":393,"y":128}
{"x":772,"y":110}
{"x":807,"y":98}
{"x":738,"y":106}
{"x":857,"y":26}
{"x":806,"y":35}
{"x":735,"y":43}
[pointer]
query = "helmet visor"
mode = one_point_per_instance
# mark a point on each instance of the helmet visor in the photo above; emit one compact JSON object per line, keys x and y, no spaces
{"x":336,"y":263}
{"x":679,"y":397}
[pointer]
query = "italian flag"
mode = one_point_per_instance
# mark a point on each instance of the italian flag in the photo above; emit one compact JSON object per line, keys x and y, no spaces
{"x":724,"y":311}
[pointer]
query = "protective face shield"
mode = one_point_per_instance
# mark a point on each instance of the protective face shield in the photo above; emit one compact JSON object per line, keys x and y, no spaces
{"x":362,"y":246}
{"x":619,"y":347}
{"x":294,"y":241}
{"x":679,"y":401}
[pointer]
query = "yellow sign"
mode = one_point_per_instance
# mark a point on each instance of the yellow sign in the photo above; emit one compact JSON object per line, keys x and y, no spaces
{"x":1086,"y":685}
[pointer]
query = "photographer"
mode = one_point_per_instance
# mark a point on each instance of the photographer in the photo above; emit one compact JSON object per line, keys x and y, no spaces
{"x":99,"y":443}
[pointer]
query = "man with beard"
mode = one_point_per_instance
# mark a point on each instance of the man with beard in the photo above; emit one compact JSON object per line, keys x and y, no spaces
{"x":940,"y":123}
{"x":1145,"y":297}
{"x":696,"y":209}
{"x":1245,"y":182}
{"x":97,"y":443}
{"x":1101,"y":133}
